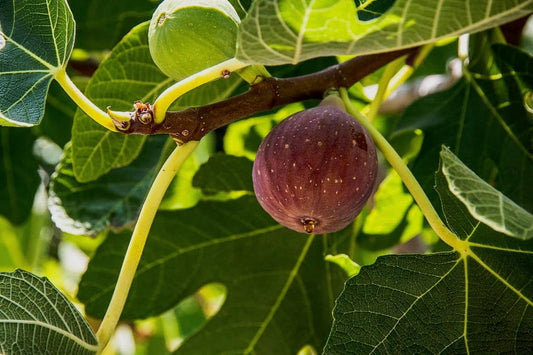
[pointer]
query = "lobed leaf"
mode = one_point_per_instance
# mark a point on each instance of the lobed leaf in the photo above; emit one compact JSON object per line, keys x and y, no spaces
{"x":476,"y":299}
{"x":35,"y":318}
{"x":277,"y":300}
{"x":36,"y":39}
{"x":286,"y":31}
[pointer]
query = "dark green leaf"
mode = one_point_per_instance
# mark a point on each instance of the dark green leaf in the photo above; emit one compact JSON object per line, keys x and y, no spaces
{"x":285,"y":31}
{"x":225,"y":173}
{"x":111,"y":201}
{"x":35,"y":318}
{"x":482,"y":119}
{"x":36,"y":39}
{"x":127,"y":75}
{"x":101,"y":23}
{"x":278,"y":298}
{"x":18,"y":173}
{"x":477,"y":299}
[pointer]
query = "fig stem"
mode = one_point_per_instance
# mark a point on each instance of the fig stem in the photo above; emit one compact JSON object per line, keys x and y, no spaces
{"x":407,"y":177}
{"x":83,"y":102}
{"x":407,"y":70}
{"x":172,"y":93}
{"x":138,"y":240}
{"x":390,"y":70}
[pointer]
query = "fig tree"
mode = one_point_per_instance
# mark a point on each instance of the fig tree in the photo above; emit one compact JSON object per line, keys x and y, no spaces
{"x":315,"y":170}
{"x":187,"y":36}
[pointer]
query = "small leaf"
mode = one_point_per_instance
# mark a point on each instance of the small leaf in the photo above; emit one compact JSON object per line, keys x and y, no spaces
{"x":112,"y":201}
{"x":36,"y":39}
{"x":225,"y":173}
{"x":19,"y":179}
{"x":485,"y":203}
{"x":35,"y":318}
{"x":278,"y":32}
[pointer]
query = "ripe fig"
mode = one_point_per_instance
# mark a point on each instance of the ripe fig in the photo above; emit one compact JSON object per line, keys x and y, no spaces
{"x":187,"y":36}
{"x":315,"y":170}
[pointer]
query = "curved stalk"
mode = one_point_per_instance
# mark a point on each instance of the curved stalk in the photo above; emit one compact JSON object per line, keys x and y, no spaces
{"x":167,"y":97}
{"x":83,"y":101}
{"x":138,"y":240}
{"x":390,"y":70}
{"x":407,"y":177}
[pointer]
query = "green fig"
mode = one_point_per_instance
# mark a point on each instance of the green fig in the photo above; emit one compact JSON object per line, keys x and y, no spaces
{"x":187,"y":36}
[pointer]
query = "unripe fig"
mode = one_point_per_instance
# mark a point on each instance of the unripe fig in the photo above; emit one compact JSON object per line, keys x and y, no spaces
{"x":187,"y":36}
{"x":315,"y":170}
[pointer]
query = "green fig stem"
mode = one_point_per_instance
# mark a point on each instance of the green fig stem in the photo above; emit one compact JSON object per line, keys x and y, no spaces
{"x":172,"y":93}
{"x":83,"y":101}
{"x":408,"y":179}
{"x":407,"y":70}
{"x":390,"y":70}
{"x":138,"y":240}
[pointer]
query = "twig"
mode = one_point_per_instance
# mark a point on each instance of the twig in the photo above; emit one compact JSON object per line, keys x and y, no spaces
{"x":195,"y":122}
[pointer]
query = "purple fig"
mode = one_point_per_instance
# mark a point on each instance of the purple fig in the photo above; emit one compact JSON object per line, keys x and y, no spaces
{"x":315,"y":171}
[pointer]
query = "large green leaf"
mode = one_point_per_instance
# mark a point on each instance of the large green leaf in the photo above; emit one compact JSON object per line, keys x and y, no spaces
{"x":128,"y":74}
{"x":482,"y":119}
{"x":484,"y":202}
{"x":476,"y":299}
{"x":35,"y":318}
{"x":36,"y":39}
{"x":112,"y":201}
{"x":18,"y":173}
{"x":288,"y":31}
{"x":278,"y":298}
{"x":101,"y":23}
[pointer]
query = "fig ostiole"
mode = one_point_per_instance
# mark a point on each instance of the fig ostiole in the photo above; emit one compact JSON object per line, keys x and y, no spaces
{"x":187,"y":36}
{"x":315,"y":171}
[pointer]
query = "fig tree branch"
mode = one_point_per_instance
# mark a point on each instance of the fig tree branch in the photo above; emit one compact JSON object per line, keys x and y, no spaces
{"x":195,"y":122}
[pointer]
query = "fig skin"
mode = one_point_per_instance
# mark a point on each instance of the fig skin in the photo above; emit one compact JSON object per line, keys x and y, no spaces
{"x":314,"y":171}
{"x":187,"y":36}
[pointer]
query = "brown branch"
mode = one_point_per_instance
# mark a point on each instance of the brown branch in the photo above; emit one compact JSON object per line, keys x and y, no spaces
{"x":195,"y":122}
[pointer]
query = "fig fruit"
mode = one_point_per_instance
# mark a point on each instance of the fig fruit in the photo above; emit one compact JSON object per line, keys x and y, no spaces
{"x":187,"y":36}
{"x":315,"y":170}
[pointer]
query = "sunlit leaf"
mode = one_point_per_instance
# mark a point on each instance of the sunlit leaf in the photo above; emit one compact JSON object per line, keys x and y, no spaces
{"x":36,"y":39}
{"x":35,"y":318}
{"x":287,"y":31}
{"x":484,"y":202}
